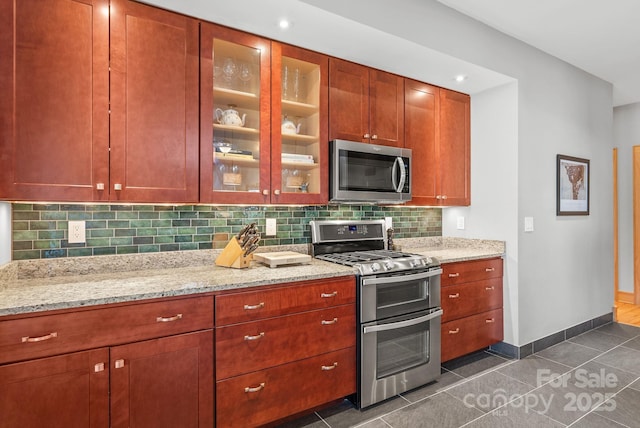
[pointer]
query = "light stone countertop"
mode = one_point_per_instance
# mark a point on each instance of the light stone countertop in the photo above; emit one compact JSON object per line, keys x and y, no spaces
{"x":40,"y":285}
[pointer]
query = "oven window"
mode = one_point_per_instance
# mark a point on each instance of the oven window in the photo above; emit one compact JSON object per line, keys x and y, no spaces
{"x":402,"y":293}
{"x":402,"y":349}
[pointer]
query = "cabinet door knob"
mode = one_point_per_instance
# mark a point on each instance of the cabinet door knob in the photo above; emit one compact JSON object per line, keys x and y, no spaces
{"x":374,"y":137}
{"x":265,"y":192}
{"x":366,"y":136}
{"x":276,"y":192}
{"x":119,"y":364}
{"x":438,"y":197}
{"x":117,"y":186}
{"x":444,"y":196}
{"x":100,"y":186}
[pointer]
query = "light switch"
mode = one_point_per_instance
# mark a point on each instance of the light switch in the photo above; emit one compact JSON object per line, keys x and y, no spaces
{"x":271,"y":227}
{"x":388,"y":222}
{"x":460,"y":223}
{"x":528,"y":224}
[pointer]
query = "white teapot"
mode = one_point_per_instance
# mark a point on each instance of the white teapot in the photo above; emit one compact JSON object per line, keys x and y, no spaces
{"x":230,"y":116}
{"x":288,"y":127}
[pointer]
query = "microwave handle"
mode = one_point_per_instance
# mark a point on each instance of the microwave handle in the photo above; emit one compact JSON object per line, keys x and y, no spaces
{"x":402,"y":324}
{"x":398,"y":163}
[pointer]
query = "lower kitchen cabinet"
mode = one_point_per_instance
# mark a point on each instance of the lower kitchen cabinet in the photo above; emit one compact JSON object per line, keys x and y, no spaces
{"x":39,"y":393}
{"x":472,"y":301}
{"x":283,"y":350}
{"x":260,"y":397}
{"x":139,"y":365}
{"x":166,"y":382}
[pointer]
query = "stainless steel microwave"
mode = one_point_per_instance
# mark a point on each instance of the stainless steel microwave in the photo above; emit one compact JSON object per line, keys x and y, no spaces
{"x":368,"y":173}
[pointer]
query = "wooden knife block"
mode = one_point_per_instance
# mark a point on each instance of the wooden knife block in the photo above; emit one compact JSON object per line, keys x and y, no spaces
{"x":232,"y":256}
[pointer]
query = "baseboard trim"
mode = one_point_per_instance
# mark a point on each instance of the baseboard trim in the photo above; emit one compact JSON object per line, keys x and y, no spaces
{"x":518,"y":352}
{"x":625,"y":297}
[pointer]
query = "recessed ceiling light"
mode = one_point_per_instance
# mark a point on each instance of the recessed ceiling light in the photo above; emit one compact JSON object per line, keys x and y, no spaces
{"x":460,"y":78}
{"x":284,"y":23}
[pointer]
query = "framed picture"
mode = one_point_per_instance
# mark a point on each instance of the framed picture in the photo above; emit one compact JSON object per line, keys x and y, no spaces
{"x":572,"y":191}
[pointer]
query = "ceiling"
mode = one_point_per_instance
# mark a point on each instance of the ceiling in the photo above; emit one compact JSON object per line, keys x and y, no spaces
{"x":600,"y":37}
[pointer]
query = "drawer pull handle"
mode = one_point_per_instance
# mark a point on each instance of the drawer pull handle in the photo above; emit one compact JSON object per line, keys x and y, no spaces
{"x":490,"y":269}
{"x":327,"y":295}
{"x":255,"y":388}
{"x":490,"y":320}
{"x":454,"y":296}
{"x":333,"y":321}
{"x":331,"y":367}
{"x":28,"y":339}
{"x":169,"y":319}
{"x":456,"y":331}
{"x":252,"y":307}
{"x":454,"y":275}
{"x":490,"y":288}
{"x":256,"y":337}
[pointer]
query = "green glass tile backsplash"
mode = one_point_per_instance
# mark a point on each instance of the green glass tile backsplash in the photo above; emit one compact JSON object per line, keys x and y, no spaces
{"x":40,"y":230}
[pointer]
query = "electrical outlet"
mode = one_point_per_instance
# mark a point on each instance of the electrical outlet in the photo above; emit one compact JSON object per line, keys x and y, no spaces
{"x":271,"y":227}
{"x":461,"y":223}
{"x":77,"y":232}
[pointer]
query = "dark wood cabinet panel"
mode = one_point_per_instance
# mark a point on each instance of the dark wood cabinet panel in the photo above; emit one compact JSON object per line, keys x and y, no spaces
{"x":165,"y":382}
{"x":462,"y":300}
{"x":154,"y":104}
{"x":291,"y":298}
{"x":455,"y":148}
{"x":67,"y":391}
{"x":348,"y":101}
{"x":473,"y":270}
{"x":472,"y":302}
{"x":265,"y":396}
{"x":275,"y":341}
{"x":365,"y":104}
{"x":386,"y":95}
{"x":45,"y":335}
{"x":421,"y":103}
{"x":465,"y":335}
{"x":54,"y":118}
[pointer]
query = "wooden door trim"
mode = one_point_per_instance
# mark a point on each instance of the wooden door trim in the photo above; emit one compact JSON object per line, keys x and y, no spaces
{"x":616,"y":278}
{"x":636,"y":224}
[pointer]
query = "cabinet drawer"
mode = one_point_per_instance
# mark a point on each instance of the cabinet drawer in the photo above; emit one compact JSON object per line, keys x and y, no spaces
{"x":475,"y":270}
{"x":292,"y":298}
{"x":462,"y":300}
{"x":280,"y":340}
{"x":265,"y":396}
{"x":39,"y":336}
{"x":469,"y":334}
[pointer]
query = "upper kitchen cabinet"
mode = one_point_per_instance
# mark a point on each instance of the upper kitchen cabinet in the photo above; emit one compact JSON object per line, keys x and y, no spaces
{"x":365,"y":104}
{"x":54,"y":98}
{"x":454,"y":148}
{"x":235,"y":116}
{"x":437,"y":132}
{"x":299,"y":126}
{"x":154,"y":105}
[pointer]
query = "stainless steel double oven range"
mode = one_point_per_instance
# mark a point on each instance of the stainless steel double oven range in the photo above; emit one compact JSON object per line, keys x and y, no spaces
{"x":399,"y":312}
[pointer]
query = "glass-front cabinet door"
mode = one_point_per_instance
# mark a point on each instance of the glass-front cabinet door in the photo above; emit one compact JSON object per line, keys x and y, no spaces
{"x":235,"y":109}
{"x":299,"y":128}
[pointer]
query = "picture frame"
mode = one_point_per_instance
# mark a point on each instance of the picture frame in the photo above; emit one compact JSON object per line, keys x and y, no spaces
{"x":572,"y":185}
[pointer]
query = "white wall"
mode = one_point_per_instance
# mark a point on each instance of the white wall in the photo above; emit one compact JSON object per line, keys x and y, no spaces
{"x":494,"y":188}
{"x":626,"y":131}
{"x":5,"y":232}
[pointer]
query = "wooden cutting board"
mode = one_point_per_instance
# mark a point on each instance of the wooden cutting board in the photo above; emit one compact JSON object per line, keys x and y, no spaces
{"x":281,"y":258}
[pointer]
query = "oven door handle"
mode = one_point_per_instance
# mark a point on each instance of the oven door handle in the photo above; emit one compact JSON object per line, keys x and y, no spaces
{"x":402,"y":324}
{"x":398,"y":278}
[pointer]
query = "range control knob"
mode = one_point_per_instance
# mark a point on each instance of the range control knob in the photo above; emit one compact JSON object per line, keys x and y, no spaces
{"x":375,"y":267}
{"x":388,"y":265}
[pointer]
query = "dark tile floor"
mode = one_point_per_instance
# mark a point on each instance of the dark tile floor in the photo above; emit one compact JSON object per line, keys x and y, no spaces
{"x":591,"y":380}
